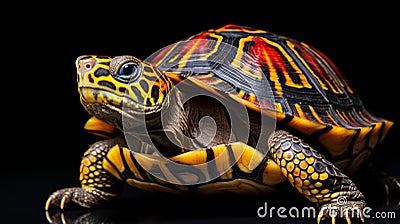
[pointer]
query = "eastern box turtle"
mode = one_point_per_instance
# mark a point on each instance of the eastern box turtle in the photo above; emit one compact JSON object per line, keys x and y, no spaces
{"x":233,"y":109}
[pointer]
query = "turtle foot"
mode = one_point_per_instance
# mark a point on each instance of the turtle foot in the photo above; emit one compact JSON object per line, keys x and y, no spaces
{"x":347,"y":210}
{"x":83,"y":197}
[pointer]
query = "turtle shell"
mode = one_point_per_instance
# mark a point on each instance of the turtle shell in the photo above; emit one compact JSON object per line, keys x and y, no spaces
{"x":310,"y":94}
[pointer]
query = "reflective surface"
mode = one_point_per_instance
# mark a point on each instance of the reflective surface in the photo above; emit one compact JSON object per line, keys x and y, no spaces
{"x":136,"y":206}
{"x":141,"y":207}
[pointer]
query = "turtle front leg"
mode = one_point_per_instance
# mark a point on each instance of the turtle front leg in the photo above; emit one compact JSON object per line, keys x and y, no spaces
{"x":316,"y":178}
{"x":98,"y":186}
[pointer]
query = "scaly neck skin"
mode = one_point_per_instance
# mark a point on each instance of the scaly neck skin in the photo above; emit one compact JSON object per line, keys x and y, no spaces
{"x":168,"y":127}
{"x":183,"y":124}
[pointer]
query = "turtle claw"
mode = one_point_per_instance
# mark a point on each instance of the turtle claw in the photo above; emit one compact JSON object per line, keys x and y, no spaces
{"x":62,"y":203}
{"x":82,"y":197}
{"x":61,"y":198}
{"x":348,"y":210}
{"x":49,"y":202}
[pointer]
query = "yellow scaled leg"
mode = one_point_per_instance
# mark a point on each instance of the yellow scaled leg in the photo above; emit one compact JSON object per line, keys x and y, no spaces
{"x":316,"y":178}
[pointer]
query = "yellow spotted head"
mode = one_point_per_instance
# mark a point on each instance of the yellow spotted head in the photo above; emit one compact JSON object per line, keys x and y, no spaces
{"x":105,"y":83}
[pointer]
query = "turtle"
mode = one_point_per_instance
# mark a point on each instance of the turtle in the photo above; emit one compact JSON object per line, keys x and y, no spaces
{"x":305,"y":126}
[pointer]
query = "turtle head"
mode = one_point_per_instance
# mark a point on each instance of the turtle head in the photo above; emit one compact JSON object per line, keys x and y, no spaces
{"x":110,"y":85}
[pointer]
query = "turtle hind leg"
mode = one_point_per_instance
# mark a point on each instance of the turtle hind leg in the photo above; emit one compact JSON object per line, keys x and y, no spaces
{"x":387,"y":183}
{"x":392,"y":189}
{"x":380,"y":187}
{"x":98,"y":186}
{"x":316,"y":178}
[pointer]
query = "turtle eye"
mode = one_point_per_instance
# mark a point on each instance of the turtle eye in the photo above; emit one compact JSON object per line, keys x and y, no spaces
{"x":127,"y":71}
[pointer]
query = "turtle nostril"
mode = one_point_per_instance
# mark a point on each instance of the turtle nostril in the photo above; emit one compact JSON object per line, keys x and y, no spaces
{"x":85,"y":64}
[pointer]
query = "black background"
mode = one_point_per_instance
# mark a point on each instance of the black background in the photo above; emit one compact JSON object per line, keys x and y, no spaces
{"x":43,"y":138}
